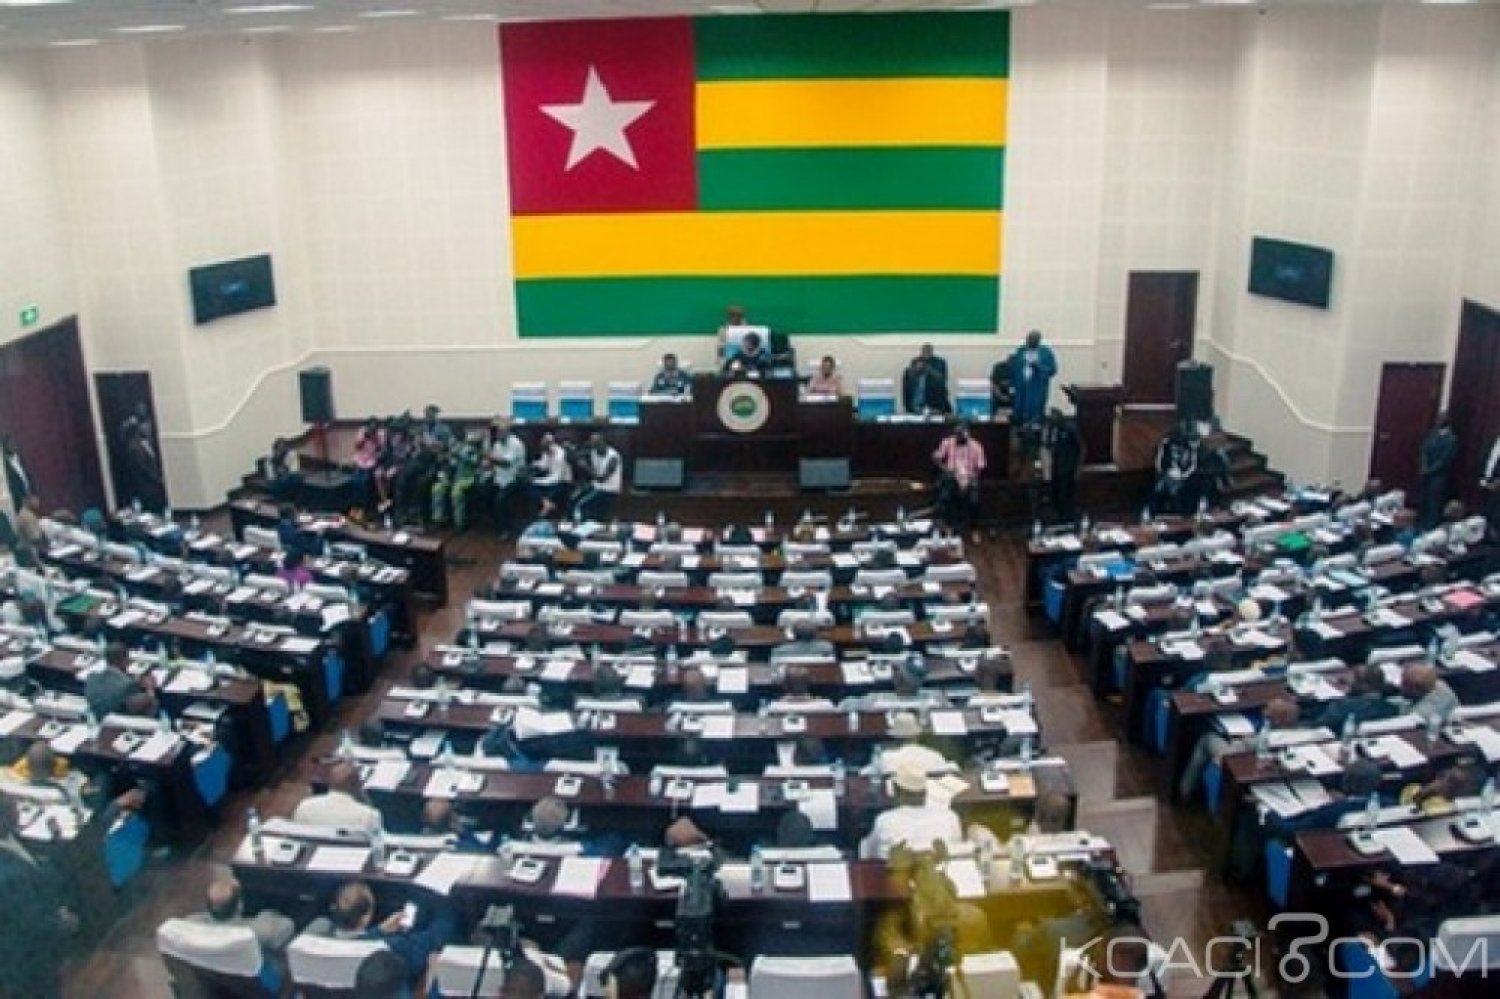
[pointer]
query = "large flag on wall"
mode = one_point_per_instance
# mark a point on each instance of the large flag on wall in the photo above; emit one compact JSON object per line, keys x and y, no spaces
{"x":831,"y":174}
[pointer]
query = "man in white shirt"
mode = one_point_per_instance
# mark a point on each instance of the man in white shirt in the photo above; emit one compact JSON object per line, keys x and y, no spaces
{"x":552,"y":476}
{"x":507,"y":458}
{"x":1489,"y":484}
{"x":606,"y":473}
{"x":342,"y":805}
{"x":914,"y":822}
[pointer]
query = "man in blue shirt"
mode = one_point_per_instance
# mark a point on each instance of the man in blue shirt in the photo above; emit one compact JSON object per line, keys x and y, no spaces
{"x":1031,"y":369}
{"x":352,"y":918}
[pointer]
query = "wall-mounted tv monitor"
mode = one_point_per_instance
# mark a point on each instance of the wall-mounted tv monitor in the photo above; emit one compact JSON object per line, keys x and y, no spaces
{"x":1292,"y":272}
{"x":231,"y":287}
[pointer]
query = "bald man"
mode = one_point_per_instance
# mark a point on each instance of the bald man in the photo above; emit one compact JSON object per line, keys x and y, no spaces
{"x":1430,"y":696}
{"x":1280,"y":715}
{"x":342,"y":805}
{"x":226,"y":907}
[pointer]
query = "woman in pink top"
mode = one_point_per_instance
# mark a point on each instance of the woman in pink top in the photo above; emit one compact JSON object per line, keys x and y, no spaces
{"x":826,"y":380}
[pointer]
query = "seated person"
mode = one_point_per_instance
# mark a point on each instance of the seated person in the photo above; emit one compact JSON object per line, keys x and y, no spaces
{"x":342,"y":805}
{"x":283,"y":468}
{"x":670,"y":379}
{"x":109,"y":690}
{"x":913,"y":822}
{"x":1361,"y":779}
{"x":924,"y":384}
{"x":1430,"y":696}
{"x":1280,"y":715}
{"x":804,"y":642}
{"x":1364,"y":702}
{"x":907,"y":692}
{"x":752,"y":360}
{"x":1410,"y":906}
{"x":987,"y":675}
{"x":694,"y":694}
{"x":1053,"y":813}
{"x":226,"y":907}
{"x":382,"y":975}
{"x":352,"y":917}
{"x":1438,"y":796}
{"x":826,"y":380}
{"x":441,"y":818}
{"x":609,"y":687}
{"x":294,"y":570}
{"x":797,"y":693}
{"x":631,"y":974}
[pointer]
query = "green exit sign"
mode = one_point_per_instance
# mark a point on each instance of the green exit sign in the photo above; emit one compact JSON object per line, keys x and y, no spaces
{"x":30,"y":316}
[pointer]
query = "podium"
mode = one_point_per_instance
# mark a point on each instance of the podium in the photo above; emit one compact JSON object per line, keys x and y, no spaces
{"x":1096,"y":407}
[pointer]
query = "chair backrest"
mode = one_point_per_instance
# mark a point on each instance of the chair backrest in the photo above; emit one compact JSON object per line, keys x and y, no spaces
{"x":122,"y":553}
{"x":646,"y":618}
{"x":1383,"y":553}
{"x":1155,"y":553}
{"x":831,"y":977}
{"x":725,"y":619}
{"x":994,"y":974}
{"x":1311,"y":522}
{"x":457,"y":967}
{"x":225,"y":949}
{"x":262,"y":537}
{"x":524,"y":570}
{"x":1264,"y":534}
{"x":821,"y":618}
{"x":887,"y":619}
{"x":1468,"y":532}
{"x":500,"y":610}
{"x":653,"y":578}
{"x":1152,"y":594}
{"x":794,"y":550}
{"x":575,"y":400}
{"x":260,"y":581}
{"x":218,"y":574}
{"x":601,"y":546}
{"x":960,"y":613}
{"x":1101,"y":559}
{"x":327,"y":593}
{"x":739,"y":551}
{"x":875,"y":397}
{"x":623,"y":401}
{"x":327,"y":962}
{"x":971,"y":399}
{"x":1347,"y":560}
{"x":735,"y":580}
{"x":808,"y":579}
{"x":879,"y":577}
{"x":956,"y":572}
{"x":1471,"y":939}
{"x":528,"y":400}
{"x":565,"y":615}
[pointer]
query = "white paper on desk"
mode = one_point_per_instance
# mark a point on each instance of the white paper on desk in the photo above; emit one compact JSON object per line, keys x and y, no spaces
{"x":558,"y":670}
{"x":1401,"y":753}
{"x":709,"y":794}
{"x":125,"y":619}
{"x":1187,"y":650}
{"x":1473,"y":662}
{"x":339,"y":859}
{"x":1405,"y":845}
{"x":1234,"y":724}
{"x":1269,"y":593}
{"x":1018,"y":722}
{"x":1325,"y":691}
{"x":444,"y":871}
{"x":857,"y":672}
{"x":335,"y":615}
{"x":1326,"y":631}
{"x":579,"y":876}
{"x":1316,"y":761}
{"x":1112,"y":620}
{"x":845,"y":560}
{"x":1488,"y":741}
{"x":964,"y":873}
{"x":188,"y":681}
{"x":298,"y":645}
{"x":13,"y":721}
{"x":641,"y":677}
{"x":949,"y":723}
{"x":718,"y":726}
{"x":743,"y":800}
{"x":158,"y":747}
{"x":1206,"y":608}
{"x":829,"y":883}
{"x":1311,"y":793}
{"x":198,"y":586}
{"x":387,"y":775}
{"x":821,"y":806}
{"x":1278,"y":798}
{"x":67,"y":744}
{"x":240,"y":594}
{"x":734,"y":680}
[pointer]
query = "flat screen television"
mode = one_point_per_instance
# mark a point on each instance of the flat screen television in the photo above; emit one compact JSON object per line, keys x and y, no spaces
{"x":1292,"y":272}
{"x":231,"y":287}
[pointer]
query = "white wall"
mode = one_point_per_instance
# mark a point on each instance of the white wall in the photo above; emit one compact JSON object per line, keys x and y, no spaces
{"x":34,"y":264}
{"x":372,"y":165}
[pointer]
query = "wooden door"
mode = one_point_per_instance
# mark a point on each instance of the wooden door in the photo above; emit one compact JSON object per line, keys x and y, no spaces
{"x":1159,"y":317}
{"x":1408,"y":406}
{"x":122,"y":395}
{"x":1474,"y":397}
{"x":44,"y":408}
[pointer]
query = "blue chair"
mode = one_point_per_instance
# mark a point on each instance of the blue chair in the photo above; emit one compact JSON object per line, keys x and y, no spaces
{"x":280,"y":715}
{"x":1278,"y":872}
{"x":333,"y":675}
{"x":1356,"y":959}
{"x":876,"y":397}
{"x":972,"y":400}
{"x":623,"y":402}
{"x":1213,"y":784}
{"x":125,"y":848}
{"x":1158,"y":719}
{"x":528,"y":401}
{"x":379,"y":629}
{"x":575,"y":401}
{"x":211,"y":959}
{"x":1121,"y":664}
{"x":1053,"y":594}
{"x":211,"y":768}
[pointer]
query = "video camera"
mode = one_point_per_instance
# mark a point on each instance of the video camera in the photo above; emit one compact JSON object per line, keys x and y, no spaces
{"x":697,"y":905}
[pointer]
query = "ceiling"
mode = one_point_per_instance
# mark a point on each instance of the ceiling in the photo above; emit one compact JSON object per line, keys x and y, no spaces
{"x":36,"y":23}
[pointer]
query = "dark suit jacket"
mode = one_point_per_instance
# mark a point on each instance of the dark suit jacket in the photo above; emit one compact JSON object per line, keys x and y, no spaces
{"x":936,"y":395}
{"x":1365,"y":707}
{"x":31,"y":934}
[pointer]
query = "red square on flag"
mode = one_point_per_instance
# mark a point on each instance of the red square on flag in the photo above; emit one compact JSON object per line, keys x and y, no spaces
{"x":599,"y":116}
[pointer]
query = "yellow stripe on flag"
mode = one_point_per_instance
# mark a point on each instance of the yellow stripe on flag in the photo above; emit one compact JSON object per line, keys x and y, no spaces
{"x":757,"y":244}
{"x":780,"y":114}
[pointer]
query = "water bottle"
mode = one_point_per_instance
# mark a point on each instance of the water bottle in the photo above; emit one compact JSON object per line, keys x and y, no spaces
{"x":135,"y":506}
{"x":195,"y":526}
{"x":654,"y":787}
{"x":1434,"y":650}
{"x":901,"y":516}
{"x":1262,"y":744}
{"x":377,"y":847}
{"x":1084,"y":525}
{"x":1036,"y":529}
{"x":1026,"y":696}
{"x":386,"y":523}
{"x":877,"y":762}
{"x":257,"y":840}
{"x":637,"y":867}
{"x":1487,"y":797}
{"x":1017,"y":858}
{"x":757,"y":870}
{"x":163,"y":722}
{"x":1346,"y":736}
{"x":1145,"y":515}
{"x":92,"y":721}
{"x":1119,"y":598}
{"x":854,"y":721}
{"x":1372,"y":813}
{"x":346,"y":745}
{"x":1026,"y":751}
{"x":840,"y":779}
{"x":1434,"y":727}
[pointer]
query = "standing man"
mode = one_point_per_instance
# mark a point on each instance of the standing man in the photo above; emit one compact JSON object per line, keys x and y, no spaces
{"x":1489,"y":485}
{"x":606,"y":470}
{"x":924,"y":384}
{"x":960,"y":461}
{"x":507,"y":462}
{"x":1031,"y":369}
{"x":1065,"y":447}
{"x":1439,"y":451}
{"x":17,"y":479}
{"x":143,"y":465}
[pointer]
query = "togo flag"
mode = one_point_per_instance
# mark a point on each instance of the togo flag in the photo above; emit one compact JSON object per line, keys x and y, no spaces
{"x":831,"y":173}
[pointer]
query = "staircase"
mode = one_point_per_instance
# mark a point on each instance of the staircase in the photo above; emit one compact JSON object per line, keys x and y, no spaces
{"x":1250,"y":475}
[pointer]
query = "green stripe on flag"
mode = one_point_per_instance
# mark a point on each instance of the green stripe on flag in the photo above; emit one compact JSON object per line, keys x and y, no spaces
{"x":810,"y":179}
{"x":821,"y":46}
{"x":652,"y":306}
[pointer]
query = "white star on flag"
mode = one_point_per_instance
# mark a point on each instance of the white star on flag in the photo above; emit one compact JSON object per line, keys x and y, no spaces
{"x":598,"y":122}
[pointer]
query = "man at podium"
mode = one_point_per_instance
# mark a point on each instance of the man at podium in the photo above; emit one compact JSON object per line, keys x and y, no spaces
{"x":750,"y":358}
